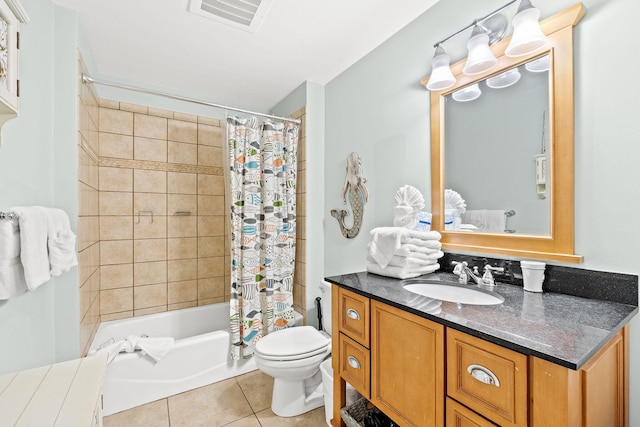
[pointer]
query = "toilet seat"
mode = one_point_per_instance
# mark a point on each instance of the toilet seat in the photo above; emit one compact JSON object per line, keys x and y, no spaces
{"x":293,"y":344}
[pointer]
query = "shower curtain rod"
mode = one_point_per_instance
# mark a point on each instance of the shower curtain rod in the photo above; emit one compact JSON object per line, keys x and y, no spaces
{"x":91,"y":80}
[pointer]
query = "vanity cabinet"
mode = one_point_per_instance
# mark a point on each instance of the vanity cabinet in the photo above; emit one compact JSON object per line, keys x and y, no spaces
{"x":421,"y":373}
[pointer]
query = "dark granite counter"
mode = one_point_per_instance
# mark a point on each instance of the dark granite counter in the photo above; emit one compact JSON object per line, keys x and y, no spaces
{"x":560,"y":328}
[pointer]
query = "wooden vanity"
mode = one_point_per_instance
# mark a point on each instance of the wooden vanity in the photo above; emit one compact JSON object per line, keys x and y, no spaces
{"x":421,"y":372}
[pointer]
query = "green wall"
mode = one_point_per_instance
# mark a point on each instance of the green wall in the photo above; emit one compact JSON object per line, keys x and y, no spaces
{"x":378,"y":109}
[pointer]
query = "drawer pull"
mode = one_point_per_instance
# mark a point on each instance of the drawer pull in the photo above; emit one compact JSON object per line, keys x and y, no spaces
{"x":352,"y":314}
{"x":353,"y":362}
{"x":483,"y":375}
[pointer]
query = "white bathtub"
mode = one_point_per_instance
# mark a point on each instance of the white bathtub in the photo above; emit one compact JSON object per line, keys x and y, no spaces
{"x":199,"y":356}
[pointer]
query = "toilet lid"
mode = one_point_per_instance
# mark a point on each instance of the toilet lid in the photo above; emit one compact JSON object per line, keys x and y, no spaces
{"x":292,"y":341}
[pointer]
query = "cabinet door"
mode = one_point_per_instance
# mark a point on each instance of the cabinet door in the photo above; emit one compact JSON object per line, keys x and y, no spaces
{"x":353,"y":318}
{"x":407,"y":366}
{"x":461,"y":416}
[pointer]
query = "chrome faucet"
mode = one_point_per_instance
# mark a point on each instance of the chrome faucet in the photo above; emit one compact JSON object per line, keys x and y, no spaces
{"x":464,"y":273}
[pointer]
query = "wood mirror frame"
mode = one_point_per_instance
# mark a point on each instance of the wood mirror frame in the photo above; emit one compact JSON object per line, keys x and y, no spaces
{"x":559,"y":244}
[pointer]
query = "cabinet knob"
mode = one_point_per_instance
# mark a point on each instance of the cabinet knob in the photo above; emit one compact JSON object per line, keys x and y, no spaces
{"x":483,"y":375}
{"x":353,"y":362}
{"x":353,"y":314}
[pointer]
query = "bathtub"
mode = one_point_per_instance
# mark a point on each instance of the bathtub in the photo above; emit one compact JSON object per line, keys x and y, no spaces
{"x":199,"y":356}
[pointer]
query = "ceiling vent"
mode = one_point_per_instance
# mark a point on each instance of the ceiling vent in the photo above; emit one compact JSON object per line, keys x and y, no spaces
{"x":244,"y":14}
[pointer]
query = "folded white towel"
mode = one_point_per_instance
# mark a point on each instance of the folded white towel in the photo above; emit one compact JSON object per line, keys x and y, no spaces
{"x":155,"y":348}
{"x":401,"y":272}
{"x":385,"y":242}
{"x":11,"y":272}
{"x":407,"y":262}
{"x":430,"y":244}
{"x":419,"y":252}
{"x":61,"y":242}
{"x":423,"y":235}
{"x":33,"y":222}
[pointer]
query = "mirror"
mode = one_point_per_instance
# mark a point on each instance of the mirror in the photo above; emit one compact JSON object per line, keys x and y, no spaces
{"x":545,"y":231}
{"x":502,"y":117}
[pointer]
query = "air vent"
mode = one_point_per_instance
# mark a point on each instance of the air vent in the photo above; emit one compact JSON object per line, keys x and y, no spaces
{"x":245,"y":14}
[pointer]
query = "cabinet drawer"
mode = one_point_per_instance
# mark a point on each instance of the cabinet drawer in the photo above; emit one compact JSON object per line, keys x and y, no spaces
{"x":487,"y":378}
{"x":355,"y":365}
{"x":354,"y":316}
{"x":460,"y":416}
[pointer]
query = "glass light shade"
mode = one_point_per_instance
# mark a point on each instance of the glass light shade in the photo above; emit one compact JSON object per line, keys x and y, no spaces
{"x":468,"y":93}
{"x":540,"y":65}
{"x":506,"y":79}
{"x":441,"y":75}
{"x":527,"y":35}
{"x":480,"y":58}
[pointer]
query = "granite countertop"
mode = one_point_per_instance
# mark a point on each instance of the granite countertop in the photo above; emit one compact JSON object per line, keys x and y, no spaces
{"x":560,"y":328}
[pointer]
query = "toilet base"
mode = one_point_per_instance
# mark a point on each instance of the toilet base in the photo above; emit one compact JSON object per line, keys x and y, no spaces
{"x":292,"y":398}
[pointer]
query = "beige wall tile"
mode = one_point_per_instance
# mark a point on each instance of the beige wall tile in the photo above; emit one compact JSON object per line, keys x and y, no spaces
{"x":148,"y":228}
{"x":182,"y":291}
{"x":301,"y":227}
{"x":185,"y":117}
{"x":154,"y":150}
{"x":210,"y":267}
{"x":116,"y":252}
{"x":116,"y":121}
{"x":150,"y":126}
{"x":209,"y":135}
{"x":211,"y":184}
{"x":211,"y":246}
{"x":181,"y":305}
{"x":181,"y":131}
{"x":160,"y":113}
{"x":116,"y":227}
{"x":208,"y":301}
{"x":116,"y":203}
{"x":116,"y":179}
{"x":150,"y":310}
{"x":134,"y":108}
{"x":154,"y":202}
{"x":206,"y":156}
{"x":182,"y":183}
{"x":211,"y":205}
{"x":116,"y":300}
{"x":211,"y":225}
{"x":147,"y":273}
{"x":113,"y":145}
{"x":180,"y":152}
{"x":147,"y":181}
{"x":116,"y":276}
{"x":116,"y":316}
{"x":211,"y":288}
{"x":108,"y":103}
{"x":182,"y":203}
{"x":149,"y":296}
{"x":181,"y":226}
{"x":181,"y":248}
{"x":181,"y":270}
{"x":209,"y":121}
{"x":149,"y":250}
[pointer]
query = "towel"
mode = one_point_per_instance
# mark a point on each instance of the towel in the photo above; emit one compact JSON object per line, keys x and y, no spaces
{"x":425,"y":244}
{"x":61,"y":242}
{"x":386,"y":241}
{"x":33,"y":223}
{"x":11,"y":272}
{"x":419,"y":251}
{"x":486,"y":220}
{"x":155,"y":348}
{"x":407,"y":262}
{"x":401,"y":272}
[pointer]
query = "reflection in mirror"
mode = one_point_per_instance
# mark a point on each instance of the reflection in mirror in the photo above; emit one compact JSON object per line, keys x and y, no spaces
{"x":496,"y":150}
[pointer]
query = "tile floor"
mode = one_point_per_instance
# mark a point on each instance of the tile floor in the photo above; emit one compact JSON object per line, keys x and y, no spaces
{"x":243,"y":401}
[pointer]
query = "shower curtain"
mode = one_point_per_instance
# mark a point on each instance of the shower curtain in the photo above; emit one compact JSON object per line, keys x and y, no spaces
{"x":262,"y":166}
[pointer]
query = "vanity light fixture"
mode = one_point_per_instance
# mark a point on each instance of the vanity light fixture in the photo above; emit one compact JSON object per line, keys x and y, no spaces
{"x":527,"y":37}
{"x":441,"y":75}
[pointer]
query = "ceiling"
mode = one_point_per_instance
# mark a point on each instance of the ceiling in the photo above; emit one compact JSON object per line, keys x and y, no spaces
{"x":158,"y":44}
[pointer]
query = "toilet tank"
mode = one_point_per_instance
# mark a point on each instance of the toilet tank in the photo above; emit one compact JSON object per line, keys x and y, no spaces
{"x":325,"y":287}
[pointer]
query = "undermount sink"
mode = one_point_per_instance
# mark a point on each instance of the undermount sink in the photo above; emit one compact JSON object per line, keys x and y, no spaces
{"x":454,"y":293}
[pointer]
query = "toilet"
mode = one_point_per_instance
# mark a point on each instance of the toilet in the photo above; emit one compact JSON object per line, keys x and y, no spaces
{"x":292,"y":357}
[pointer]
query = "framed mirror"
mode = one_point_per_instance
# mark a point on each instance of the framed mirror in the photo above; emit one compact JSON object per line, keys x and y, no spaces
{"x":504,"y":142}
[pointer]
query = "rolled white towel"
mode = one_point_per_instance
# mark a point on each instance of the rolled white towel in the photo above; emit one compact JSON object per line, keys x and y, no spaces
{"x":401,"y":272}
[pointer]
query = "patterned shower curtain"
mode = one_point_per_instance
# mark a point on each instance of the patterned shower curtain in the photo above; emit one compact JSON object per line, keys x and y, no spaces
{"x":262,"y":179}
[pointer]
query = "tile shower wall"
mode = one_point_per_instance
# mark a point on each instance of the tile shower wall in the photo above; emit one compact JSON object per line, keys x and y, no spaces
{"x":299,"y":279}
{"x":88,"y":211}
{"x":162,"y":210}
